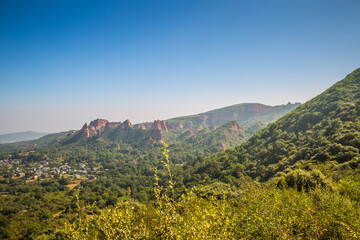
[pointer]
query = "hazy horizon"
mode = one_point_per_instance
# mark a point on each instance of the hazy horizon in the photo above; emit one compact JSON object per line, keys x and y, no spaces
{"x":64,"y":63}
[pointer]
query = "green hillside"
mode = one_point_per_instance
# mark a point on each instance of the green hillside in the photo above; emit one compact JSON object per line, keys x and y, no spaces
{"x":324,"y":130}
{"x":313,"y":153}
{"x":245,"y":114}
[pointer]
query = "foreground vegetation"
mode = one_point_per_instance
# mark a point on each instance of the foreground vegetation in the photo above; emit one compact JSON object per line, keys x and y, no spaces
{"x":256,"y":212}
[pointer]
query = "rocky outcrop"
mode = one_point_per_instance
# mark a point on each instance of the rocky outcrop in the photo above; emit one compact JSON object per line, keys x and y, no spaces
{"x":140,"y":126}
{"x":84,"y":132}
{"x":169,"y":126}
{"x":179,"y":125}
{"x":159,"y":125}
{"x":126,"y":124}
{"x":156,"y":134}
{"x":114,"y":124}
{"x":111,"y":124}
{"x":234,"y":128}
{"x":92,"y":129}
{"x":98,"y":123}
{"x":98,"y":134}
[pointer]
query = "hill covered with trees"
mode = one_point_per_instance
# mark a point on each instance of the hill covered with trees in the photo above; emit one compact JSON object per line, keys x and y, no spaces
{"x":298,"y":178}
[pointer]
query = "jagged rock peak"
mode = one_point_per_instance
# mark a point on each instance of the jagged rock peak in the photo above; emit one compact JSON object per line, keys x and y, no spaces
{"x":127,"y":123}
{"x":84,"y":132}
{"x":98,"y":123}
{"x":161,"y":125}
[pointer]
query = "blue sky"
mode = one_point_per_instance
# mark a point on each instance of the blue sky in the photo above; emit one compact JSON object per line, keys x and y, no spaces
{"x":63,"y":63}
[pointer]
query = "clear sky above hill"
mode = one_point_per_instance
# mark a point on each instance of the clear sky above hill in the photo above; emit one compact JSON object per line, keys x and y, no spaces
{"x":63,"y":63}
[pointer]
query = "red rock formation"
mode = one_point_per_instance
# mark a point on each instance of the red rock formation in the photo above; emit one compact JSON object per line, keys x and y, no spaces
{"x":147,"y":125}
{"x":114,"y":124}
{"x":233,"y":129}
{"x":156,"y":134}
{"x":111,"y":124}
{"x":126,"y":124}
{"x":169,"y":126}
{"x":92,"y":129}
{"x":84,"y":132}
{"x":140,"y":126}
{"x":98,"y":134}
{"x":180,"y":125}
{"x":159,"y":125}
{"x":98,"y":123}
{"x":107,"y":127}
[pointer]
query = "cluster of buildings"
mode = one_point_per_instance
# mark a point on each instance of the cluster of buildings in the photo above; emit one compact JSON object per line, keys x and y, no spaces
{"x":44,"y":169}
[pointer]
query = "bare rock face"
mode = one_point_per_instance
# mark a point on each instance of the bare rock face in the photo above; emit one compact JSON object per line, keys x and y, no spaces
{"x":92,"y":129}
{"x":126,"y":124}
{"x":114,"y":124}
{"x":107,"y":127}
{"x":159,"y":125}
{"x":179,"y":125}
{"x":98,"y":123}
{"x":111,"y":124}
{"x":71,"y":133}
{"x":140,"y":126}
{"x":84,"y":132}
{"x":156,"y":134}
{"x":233,"y":129}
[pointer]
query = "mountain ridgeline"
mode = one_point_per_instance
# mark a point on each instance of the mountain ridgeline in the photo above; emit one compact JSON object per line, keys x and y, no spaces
{"x":324,"y":131}
{"x":20,"y":136}
{"x":297,"y":178}
{"x":200,"y":134}
{"x":250,"y":117}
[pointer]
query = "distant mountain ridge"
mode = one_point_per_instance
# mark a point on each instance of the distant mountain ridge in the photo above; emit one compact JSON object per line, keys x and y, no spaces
{"x":244,"y":113}
{"x":20,"y":136}
{"x":325,"y":131}
{"x":200,"y":128}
